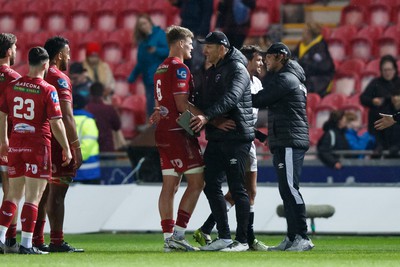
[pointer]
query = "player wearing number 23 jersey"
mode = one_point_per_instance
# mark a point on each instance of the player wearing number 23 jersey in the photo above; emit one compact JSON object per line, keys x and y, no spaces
{"x":30,"y":103}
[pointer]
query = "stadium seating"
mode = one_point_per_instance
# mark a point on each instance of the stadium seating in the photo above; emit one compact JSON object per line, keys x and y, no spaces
{"x":321,"y":114}
{"x":55,"y":17}
{"x":30,"y":17}
{"x":313,"y":100}
{"x":105,"y":16}
{"x":363,"y":44}
{"x":133,"y":114}
{"x":8,"y":17}
{"x":388,"y":43}
{"x":338,"y":41}
{"x":81,"y":15}
{"x":315,"y":134}
{"x":353,"y":15}
{"x":347,"y":80}
{"x":333,"y":99}
{"x":378,"y":14}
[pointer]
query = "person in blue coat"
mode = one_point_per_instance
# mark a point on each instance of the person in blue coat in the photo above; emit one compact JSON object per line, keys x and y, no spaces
{"x":152,"y":50}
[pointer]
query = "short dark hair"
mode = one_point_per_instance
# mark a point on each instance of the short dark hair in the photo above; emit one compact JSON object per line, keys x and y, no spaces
{"x":388,"y":58}
{"x":54,"y":45}
{"x":249,"y":51}
{"x":6,"y":42}
{"x":177,"y":33}
{"x":97,"y":89}
{"x":37,"y":56}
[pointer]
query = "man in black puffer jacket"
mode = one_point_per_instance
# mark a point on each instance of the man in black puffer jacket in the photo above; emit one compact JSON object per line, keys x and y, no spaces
{"x":228,"y":95}
{"x":286,"y":96}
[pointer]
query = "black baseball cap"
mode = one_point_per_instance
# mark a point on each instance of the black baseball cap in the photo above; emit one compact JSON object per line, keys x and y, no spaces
{"x":76,"y":68}
{"x":279,"y":48}
{"x":216,"y":37}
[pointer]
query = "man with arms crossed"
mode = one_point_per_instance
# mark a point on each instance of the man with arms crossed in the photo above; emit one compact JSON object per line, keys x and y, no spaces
{"x":180,"y":153}
{"x":7,"y":56}
{"x":54,"y":197}
{"x":33,"y":107}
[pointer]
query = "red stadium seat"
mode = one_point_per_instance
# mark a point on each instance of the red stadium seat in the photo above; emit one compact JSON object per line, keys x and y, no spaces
{"x":56,"y":16}
{"x":128,"y":14}
{"x":159,"y":12}
{"x":363,"y":44}
{"x":30,"y":18}
{"x":81,"y":15}
{"x":365,"y":78}
{"x":378,"y":14}
{"x":346,"y":83}
{"x":338,"y":41}
{"x":121,"y":73}
{"x":353,"y":15}
{"x":113,"y":46}
{"x":260,"y":20}
{"x":133,"y":113}
{"x":315,"y":134}
{"x":373,"y":65}
{"x":105,"y":16}
{"x":333,"y":99}
{"x":352,"y":65}
{"x":8,"y":17}
{"x":322,"y":113}
{"x":388,"y":44}
{"x":130,"y":53}
{"x":312,"y":100}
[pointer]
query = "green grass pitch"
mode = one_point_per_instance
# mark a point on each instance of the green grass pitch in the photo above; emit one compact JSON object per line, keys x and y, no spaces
{"x":138,"y":249}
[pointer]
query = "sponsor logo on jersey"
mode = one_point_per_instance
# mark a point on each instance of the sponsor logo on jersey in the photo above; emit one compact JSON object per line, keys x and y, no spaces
{"x":18,"y":150}
{"x":233,"y":161}
{"x":181,"y":85}
{"x":163,"y":111}
{"x":62,"y":83}
{"x":181,"y":73}
{"x":54,"y":97}
{"x":27,"y":87}
{"x":24,"y":128}
{"x":2,"y":78}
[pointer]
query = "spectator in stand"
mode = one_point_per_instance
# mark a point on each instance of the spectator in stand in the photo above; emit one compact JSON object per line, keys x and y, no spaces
{"x":333,"y":139}
{"x":80,"y":81}
{"x":152,"y":51}
{"x":88,"y":134}
{"x":98,"y":70}
{"x":378,"y":92}
{"x":234,"y":19}
{"x":313,"y":55}
{"x":391,"y":135}
{"x":196,"y":16}
{"x":107,"y":119}
{"x":355,"y":140}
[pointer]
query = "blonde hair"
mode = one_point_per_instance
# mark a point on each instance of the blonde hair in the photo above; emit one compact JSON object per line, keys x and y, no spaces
{"x":177,"y":33}
{"x":314,"y":28}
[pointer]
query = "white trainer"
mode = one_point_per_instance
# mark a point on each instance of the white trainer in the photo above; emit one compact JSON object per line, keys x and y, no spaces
{"x":180,"y":244}
{"x":258,"y":246}
{"x":236,"y":246}
{"x":284,"y":245}
{"x":301,"y":244}
{"x":216,"y":245}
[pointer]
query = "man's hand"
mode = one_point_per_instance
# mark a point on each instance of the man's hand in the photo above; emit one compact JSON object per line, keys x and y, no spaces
{"x":155,"y":117}
{"x":197,"y":122}
{"x":77,"y":155}
{"x":384,"y":122}
{"x":4,"y":152}
{"x":224,"y":124}
{"x":66,"y":156}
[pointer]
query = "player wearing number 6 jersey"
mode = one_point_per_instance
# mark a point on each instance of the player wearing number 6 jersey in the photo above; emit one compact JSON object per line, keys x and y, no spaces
{"x":33,"y":107}
{"x":179,"y":153}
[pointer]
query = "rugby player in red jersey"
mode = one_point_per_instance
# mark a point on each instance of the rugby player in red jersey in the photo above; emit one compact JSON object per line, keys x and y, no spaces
{"x":33,"y":107}
{"x":180,"y":153}
{"x":58,"y":49}
{"x":8,"y":50}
